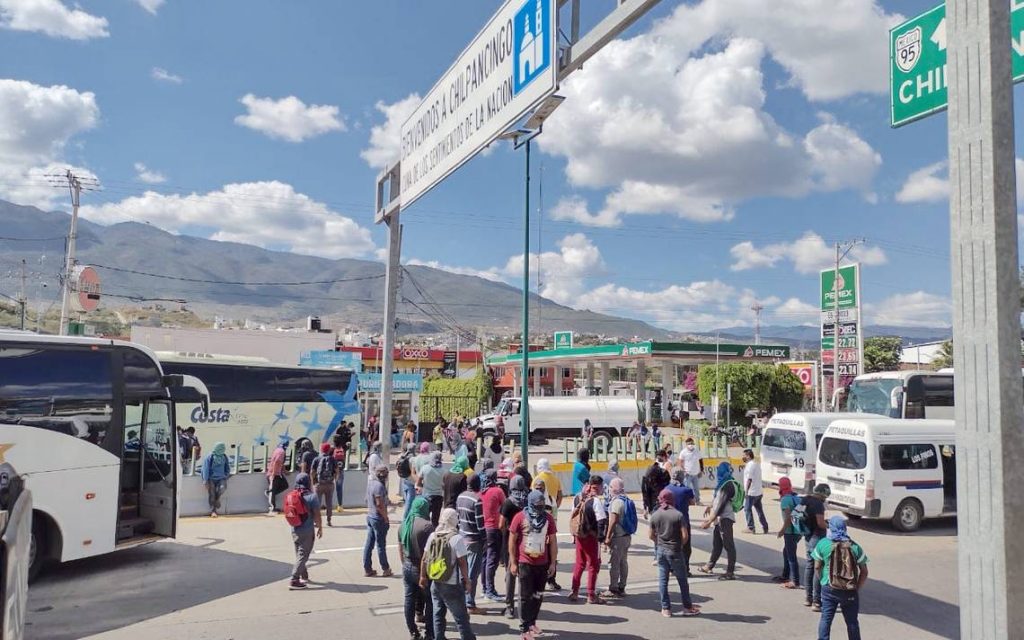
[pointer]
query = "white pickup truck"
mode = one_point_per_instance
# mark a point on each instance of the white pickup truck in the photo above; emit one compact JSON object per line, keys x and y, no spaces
{"x":563,"y":417}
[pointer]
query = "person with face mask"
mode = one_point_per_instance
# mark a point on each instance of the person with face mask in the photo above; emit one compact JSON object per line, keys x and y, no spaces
{"x":693,"y":467}
{"x":377,"y":524}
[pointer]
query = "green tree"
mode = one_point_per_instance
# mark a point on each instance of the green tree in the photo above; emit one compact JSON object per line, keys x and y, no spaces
{"x":449,"y":396}
{"x":787,"y":392}
{"x":751,"y":385}
{"x":945,"y":357}
{"x":882,"y":354}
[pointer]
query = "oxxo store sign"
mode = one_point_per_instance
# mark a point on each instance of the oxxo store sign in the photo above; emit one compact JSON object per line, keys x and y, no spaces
{"x":917,"y":70}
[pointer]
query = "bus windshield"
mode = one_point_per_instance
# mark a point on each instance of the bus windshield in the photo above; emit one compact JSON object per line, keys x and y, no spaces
{"x":873,"y":395}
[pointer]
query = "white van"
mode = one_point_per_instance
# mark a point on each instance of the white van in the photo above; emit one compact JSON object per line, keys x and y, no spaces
{"x":789,"y":446}
{"x":899,"y":469}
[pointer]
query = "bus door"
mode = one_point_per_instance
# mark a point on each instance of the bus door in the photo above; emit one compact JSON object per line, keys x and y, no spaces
{"x":148,"y":474}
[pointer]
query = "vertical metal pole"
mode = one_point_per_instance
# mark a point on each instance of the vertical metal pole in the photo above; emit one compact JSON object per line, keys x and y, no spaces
{"x":24,"y":299}
{"x":986,"y":320}
{"x":835,"y":329}
{"x":392,"y":275}
{"x":524,"y":405}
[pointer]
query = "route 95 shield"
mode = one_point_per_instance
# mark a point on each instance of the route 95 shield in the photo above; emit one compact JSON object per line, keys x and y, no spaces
{"x":908,"y":49}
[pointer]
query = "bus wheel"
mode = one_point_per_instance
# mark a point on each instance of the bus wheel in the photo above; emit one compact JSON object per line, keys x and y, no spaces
{"x":908,"y":516}
{"x":37,"y":548}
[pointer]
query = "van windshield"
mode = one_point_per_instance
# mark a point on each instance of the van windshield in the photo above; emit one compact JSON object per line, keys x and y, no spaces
{"x":785,"y":439}
{"x":872,"y":396}
{"x":845,"y":454}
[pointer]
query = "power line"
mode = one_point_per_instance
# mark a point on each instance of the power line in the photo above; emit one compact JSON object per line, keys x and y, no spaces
{"x":240,"y":283}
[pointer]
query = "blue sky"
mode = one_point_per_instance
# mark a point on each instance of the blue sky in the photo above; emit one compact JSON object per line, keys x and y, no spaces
{"x":707,"y":159}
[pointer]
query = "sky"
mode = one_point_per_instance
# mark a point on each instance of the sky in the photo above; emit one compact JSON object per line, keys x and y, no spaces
{"x":707,"y":159}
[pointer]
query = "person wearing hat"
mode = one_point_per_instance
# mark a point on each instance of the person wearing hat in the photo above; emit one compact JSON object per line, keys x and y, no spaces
{"x":814,"y":517}
{"x":377,"y":523}
{"x":303,"y":533}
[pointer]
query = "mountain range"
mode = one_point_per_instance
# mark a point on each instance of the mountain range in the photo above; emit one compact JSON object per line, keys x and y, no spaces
{"x":142,"y":264}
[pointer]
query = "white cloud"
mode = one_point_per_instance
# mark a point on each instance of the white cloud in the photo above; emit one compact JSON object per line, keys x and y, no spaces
{"x":147,"y":175}
{"x":385,"y":146}
{"x":808,"y":253}
{"x":163,"y":75}
{"x":38,"y":122}
{"x":51,"y":17}
{"x":266,"y":214}
{"x":796,"y":311}
{"x":689,"y":136}
{"x":289,"y":118}
{"x":563,"y":274}
{"x":917,"y":309}
{"x":828,"y":47}
{"x":930,"y":184}
{"x":487,"y":274}
{"x":151,"y":5}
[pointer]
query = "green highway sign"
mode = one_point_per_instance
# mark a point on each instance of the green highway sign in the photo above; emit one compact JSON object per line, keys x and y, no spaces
{"x":847,"y":288}
{"x":917,"y":62}
{"x":563,"y":340}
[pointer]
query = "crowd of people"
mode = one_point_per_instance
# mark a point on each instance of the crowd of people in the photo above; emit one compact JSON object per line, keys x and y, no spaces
{"x":484,"y":510}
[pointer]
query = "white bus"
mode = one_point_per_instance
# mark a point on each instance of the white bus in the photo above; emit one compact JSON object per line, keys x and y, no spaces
{"x":255,"y":403}
{"x":887,"y":468}
{"x":901,"y":394}
{"x":89,"y":424}
{"x":789,"y":447}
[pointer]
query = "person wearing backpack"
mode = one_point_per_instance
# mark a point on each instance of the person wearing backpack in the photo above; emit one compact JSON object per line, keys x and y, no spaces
{"x":324,"y":470}
{"x":406,"y":481}
{"x":584,"y":528}
{"x":377,"y":523}
{"x":813,"y":507}
{"x":444,"y":566}
{"x":728,"y":499}
{"x":533,"y":558}
{"x":792,"y":530}
{"x":277,"y":482}
{"x":843,"y":566}
{"x":340,"y":454}
{"x":412,"y":542}
{"x":622,"y":524}
{"x":515,"y":503}
{"x":302,"y":512}
{"x":215,"y":471}
{"x":668,"y":529}
{"x":684,"y":497}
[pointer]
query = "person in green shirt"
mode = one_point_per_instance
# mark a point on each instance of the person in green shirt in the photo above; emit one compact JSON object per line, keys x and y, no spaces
{"x":848,"y":600}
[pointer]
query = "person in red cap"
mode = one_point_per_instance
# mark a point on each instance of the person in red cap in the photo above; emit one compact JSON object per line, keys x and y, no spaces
{"x":324,"y":470}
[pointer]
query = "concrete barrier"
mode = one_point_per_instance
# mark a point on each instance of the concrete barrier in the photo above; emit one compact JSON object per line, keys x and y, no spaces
{"x":245,"y":493}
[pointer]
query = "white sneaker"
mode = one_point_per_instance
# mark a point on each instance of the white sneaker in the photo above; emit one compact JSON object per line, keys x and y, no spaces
{"x":271,"y":512}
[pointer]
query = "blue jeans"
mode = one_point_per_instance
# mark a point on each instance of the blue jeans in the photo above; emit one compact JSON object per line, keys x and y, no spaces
{"x":339,"y":488}
{"x":408,"y":494}
{"x":790,"y":563}
{"x":812,"y":584}
{"x":750,"y":504}
{"x":672,"y":562}
{"x":450,"y":597}
{"x":414,"y":594}
{"x":849,"y":602}
{"x":694,"y":483}
{"x":376,"y":535}
{"x":475,"y":560}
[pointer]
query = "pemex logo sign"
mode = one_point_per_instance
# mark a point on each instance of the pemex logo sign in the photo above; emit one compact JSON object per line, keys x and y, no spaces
{"x":845,"y":281}
{"x":531,"y":43}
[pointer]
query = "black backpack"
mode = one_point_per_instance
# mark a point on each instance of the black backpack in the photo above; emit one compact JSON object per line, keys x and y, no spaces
{"x":325,"y":469}
{"x":404,"y":466}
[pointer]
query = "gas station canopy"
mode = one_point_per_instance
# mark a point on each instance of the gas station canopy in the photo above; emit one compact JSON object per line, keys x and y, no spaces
{"x":652,"y":352}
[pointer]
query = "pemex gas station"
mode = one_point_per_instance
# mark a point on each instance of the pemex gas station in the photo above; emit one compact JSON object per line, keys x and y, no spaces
{"x":552,"y":371}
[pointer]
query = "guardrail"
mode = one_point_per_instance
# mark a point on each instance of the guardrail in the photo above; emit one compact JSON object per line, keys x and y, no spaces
{"x":259,"y":458}
{"x":631,"y":448}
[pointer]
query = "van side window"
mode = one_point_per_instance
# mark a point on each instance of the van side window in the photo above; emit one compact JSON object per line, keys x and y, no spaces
{"x":785,"y":439}
{"x":907,"y":456}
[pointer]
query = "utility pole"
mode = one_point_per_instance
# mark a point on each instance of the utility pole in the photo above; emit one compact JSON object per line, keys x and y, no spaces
{"x":986,"y":319}
{"x":845,"y":247}
{"x":75,"y":187}
{"x":757,"y":308}
{"x":24,"y":299}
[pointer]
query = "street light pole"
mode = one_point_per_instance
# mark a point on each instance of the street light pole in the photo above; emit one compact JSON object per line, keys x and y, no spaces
{"x":524,"y":403}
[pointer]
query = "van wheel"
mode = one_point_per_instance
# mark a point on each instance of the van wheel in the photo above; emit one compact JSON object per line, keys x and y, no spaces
{"x":603,"y":436}
{"x":908,"y":516}
{"x":37,"y":549}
